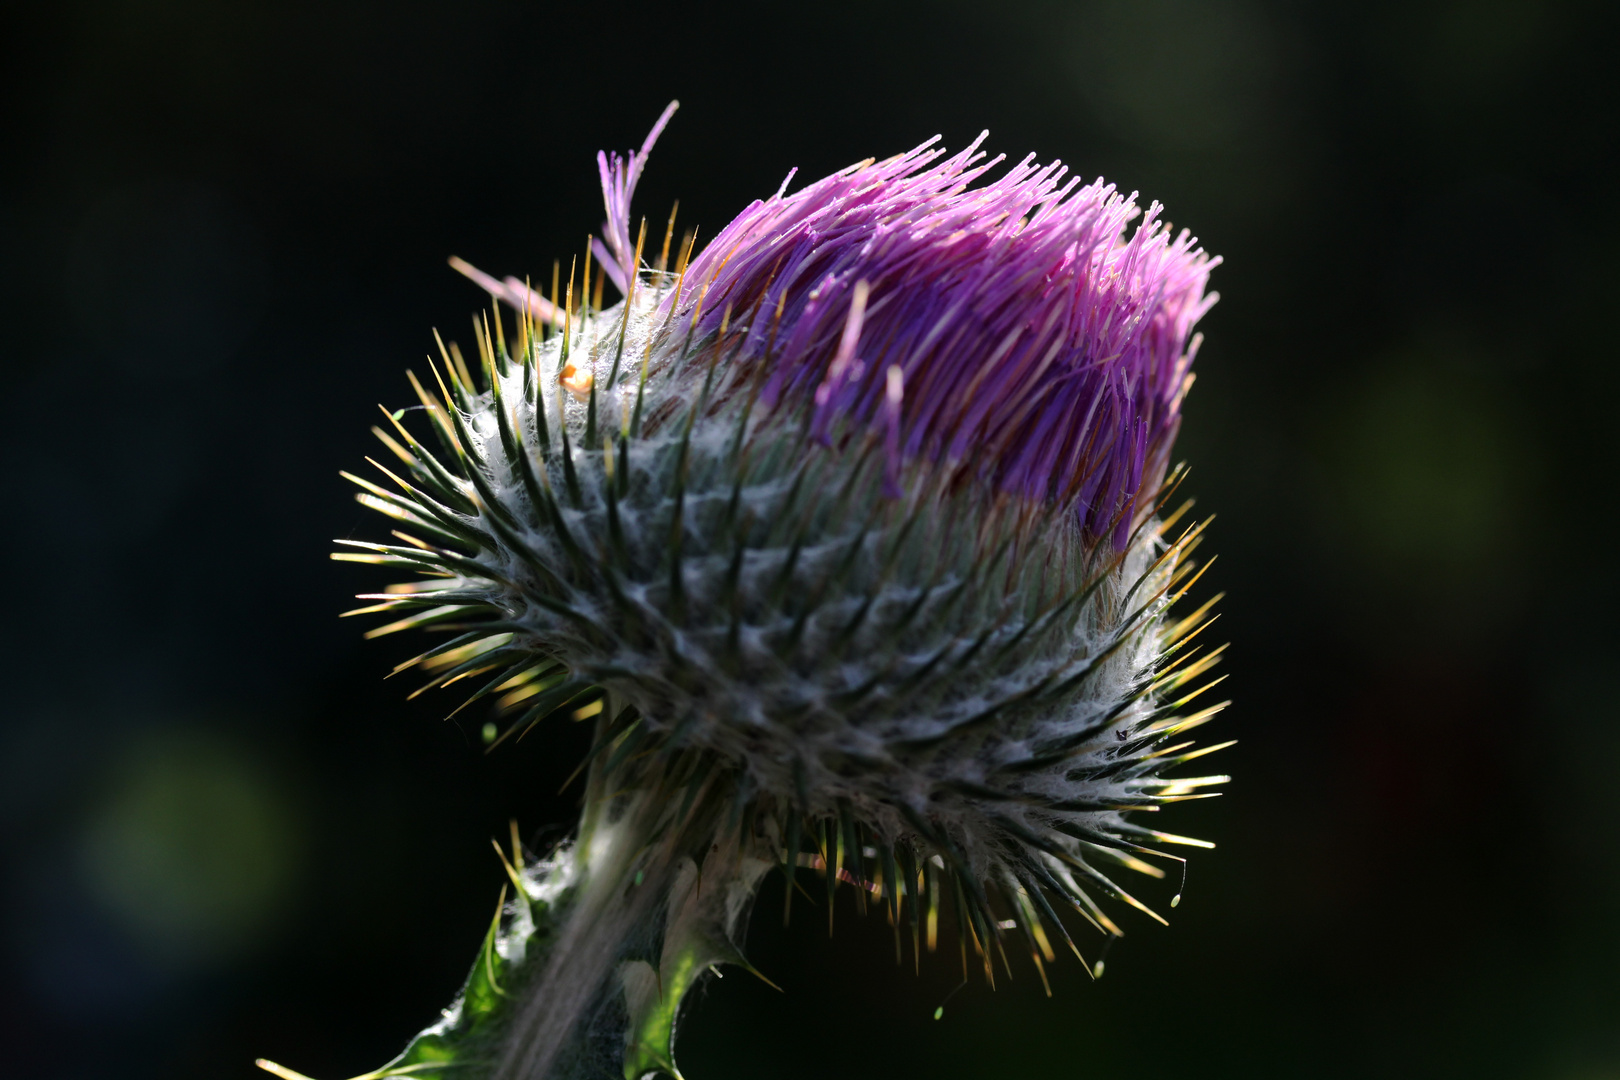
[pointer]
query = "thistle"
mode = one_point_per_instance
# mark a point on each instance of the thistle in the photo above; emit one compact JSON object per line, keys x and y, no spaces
{"x":850,"y":535}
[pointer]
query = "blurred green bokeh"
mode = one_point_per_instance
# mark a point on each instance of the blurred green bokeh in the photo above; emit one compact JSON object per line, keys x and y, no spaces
{"x":191,"y":847}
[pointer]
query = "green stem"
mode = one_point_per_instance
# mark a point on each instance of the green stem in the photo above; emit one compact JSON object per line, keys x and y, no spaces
{"x":591,"y":959}
{"x":624,"y":876}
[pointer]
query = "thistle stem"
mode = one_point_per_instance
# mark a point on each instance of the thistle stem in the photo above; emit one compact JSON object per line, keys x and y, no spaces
{"x":659,"y":880}
{"x":624,"y":879}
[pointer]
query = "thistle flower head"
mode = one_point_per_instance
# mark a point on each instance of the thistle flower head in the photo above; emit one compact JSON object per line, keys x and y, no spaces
{"x":849,"y":526}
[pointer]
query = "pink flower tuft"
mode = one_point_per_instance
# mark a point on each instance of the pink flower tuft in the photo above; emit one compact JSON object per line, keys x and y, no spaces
{"x":1034,"y":335}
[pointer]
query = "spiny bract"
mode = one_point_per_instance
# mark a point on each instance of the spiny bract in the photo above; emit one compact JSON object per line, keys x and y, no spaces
{"x":856,"y":516}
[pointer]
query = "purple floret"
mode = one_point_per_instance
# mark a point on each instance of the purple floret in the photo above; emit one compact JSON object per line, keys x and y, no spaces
{"x":1033,"y":336}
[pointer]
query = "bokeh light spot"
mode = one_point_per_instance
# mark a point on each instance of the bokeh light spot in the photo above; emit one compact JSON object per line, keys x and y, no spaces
{"x":194,"y":848}
{"x":1428,"y":469}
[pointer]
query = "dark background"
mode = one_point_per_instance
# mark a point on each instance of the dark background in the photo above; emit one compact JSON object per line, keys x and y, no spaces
{"x":223,"y":230}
